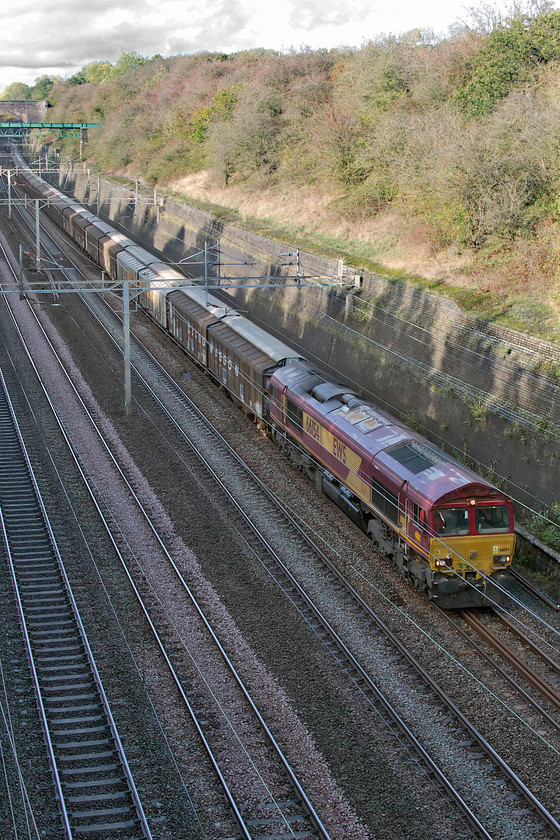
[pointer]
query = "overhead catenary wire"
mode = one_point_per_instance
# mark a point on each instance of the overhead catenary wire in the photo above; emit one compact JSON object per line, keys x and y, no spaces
{"x":403,"y":357}
{"x":426,"y":335}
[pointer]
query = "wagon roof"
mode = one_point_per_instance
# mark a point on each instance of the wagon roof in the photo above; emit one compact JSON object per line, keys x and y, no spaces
{"x":168,"y":272}
{"x":116,"y":239}
{"x":128,"y":259}
{"x":76,"y":209}
{"x":258,"y":338}
{"x":197,"y":302}
{"x":101,"y":228}
{"x":83,"y":220}
{"x":141,"y":254}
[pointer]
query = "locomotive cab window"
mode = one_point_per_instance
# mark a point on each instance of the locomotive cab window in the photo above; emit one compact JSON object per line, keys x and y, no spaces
{"x":492,"y":519}
{"x":451,"y":522}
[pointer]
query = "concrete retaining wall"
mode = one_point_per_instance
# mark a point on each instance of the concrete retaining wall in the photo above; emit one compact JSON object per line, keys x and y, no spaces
{"x":472,"y":387}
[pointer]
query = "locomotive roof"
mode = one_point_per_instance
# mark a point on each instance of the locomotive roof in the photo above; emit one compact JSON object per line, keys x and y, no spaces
{"x":398,"y":452}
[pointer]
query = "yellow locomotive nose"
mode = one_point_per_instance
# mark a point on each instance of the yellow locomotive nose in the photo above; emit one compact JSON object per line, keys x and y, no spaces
{"x":471,"y":553}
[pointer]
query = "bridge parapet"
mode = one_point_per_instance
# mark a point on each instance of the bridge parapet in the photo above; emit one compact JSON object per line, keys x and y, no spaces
{"x":32,"y":110}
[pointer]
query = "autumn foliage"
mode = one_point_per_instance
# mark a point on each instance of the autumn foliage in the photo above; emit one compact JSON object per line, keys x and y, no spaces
{"x":459,"y":133}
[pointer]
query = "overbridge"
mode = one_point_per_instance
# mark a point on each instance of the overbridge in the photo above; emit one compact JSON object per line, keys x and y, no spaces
{"x":27,"y":110}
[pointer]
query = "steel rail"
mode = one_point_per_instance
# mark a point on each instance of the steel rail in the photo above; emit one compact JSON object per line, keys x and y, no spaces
{"x":453,"y":794}
{"x":542,"y":596}
{"x":363,"y":676}
{"x":176,"y":678}
{"x":36,"y":685}
{"x":507,"y":677}
{"x":535,"y":648}
{"x":520,"y":786}
{"x":515,"y":661}
{"x":515,"y":780}
{"x":68,"y":824}
{"x":313,"y":816}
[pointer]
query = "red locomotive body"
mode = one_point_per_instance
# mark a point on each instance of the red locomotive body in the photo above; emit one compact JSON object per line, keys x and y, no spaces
{"x":449,"y":531}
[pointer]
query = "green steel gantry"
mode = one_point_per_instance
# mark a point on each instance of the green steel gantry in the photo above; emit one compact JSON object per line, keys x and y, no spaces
{"x":13,"y":130}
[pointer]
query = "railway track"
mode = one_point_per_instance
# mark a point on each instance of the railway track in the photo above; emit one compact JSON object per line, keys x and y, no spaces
{"x":287,"y":528}
{"x":527,"y":585}
{"x":94,"y":787}
{"x":529,"y":674}
{"x":265,"y":797}
{"x":357,"y":673}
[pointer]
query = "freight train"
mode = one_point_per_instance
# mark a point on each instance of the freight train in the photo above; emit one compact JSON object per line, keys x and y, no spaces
{"x":449,"y":532}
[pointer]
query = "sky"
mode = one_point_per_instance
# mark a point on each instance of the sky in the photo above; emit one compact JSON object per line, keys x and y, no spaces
{"x":58,"y":38}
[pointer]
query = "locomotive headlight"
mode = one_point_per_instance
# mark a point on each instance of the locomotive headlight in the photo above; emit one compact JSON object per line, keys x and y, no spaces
{"x":444,"y":564}
{"x":501,"y":558}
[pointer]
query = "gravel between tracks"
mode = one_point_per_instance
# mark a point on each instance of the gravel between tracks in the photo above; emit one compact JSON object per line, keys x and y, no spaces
{"x":357,"y":773}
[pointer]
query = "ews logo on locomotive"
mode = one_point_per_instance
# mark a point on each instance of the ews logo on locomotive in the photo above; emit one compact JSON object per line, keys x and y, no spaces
{"x":325,"y":438}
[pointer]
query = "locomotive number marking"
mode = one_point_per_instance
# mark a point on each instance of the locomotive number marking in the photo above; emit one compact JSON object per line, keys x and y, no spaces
{"x":312,"y":427}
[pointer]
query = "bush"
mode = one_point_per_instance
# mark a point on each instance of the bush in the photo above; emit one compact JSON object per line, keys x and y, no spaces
{"x":508,"y":59}
{"x":545,"y":526}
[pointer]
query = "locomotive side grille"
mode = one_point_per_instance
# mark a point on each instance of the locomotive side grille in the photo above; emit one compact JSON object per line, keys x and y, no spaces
{"x":414,"y":458}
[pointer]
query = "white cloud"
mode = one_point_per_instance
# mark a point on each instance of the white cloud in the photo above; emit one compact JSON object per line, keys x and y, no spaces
{"x":58,"y":39}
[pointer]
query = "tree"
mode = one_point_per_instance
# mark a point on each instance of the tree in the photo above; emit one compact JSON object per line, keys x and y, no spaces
{"x":379,"y":76}
{"x":17,"y":91}
{"x":78,"y":78}
{"x":251,"y":144}
{"x":127,"y":62}
{"x":508,"y":169}
{"x":486,"y":17}
{"x":41,"y":88}
{"x":222,"y":108}
{"x":98,"y":71}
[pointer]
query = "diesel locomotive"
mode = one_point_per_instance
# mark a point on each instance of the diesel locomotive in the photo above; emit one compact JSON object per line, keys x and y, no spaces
{"x":449,"y":532}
